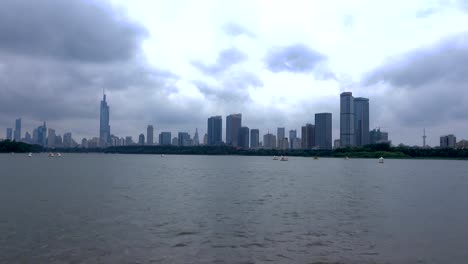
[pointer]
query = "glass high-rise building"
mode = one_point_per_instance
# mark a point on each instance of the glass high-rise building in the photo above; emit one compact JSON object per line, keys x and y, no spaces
{"x":244,"y":137}
{"x":347,"y":136}
{"x":150,"y":135}
{"x":17,"y":134}
{"x":104,"y":127}
{"x":292,"y":138}
{"x":165,"y":138}
{"x":254,"y":138}
{"x":233,"y":125}
{"x":323,"y":130}
{"x":280,"y":135}
{"x":308,"y":136}
{"x":361,"y":121}
{"x":215,"y":130}
{"x":9,"y":133}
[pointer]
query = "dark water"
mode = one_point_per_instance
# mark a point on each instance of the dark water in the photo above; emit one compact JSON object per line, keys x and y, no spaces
{"x":96,"y":208}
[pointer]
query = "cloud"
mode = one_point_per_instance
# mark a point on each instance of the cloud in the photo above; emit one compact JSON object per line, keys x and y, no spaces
{"x":235,"y":30}
{"x":69,"y":30}
{"x":444,"y":61}
{"x":226,"y":58}
{"x":425,"y":86}
{"x":298,"y":58}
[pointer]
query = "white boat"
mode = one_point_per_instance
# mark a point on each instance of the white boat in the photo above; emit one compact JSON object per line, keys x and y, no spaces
{"x":51,"y":154}
{"x":275,"y":158}
{"x":284,"y":158}
{"x":346,"y":158}
{"x":58,"y":155}
{"x":381,"y":160}
{"x":162,"y":155}
{"x":30,"y":154}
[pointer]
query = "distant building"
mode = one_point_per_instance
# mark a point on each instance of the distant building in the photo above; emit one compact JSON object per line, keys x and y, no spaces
{"x":378,"y":137}
{"x":67,"y":140}
{"x":128,"y":141}
{"x":244,"y":137}
{"x":184,"y":139}
{"x":84,"y":143}
{"x":233,"y":125}
{"x":347,"y":136}
{"x":149,"y":135}
{"x":9,"y":133}
{"x":448,"y":141}
{"x":296,"y":143}
{"x":58,"y":141}
{"x":281,"y":131}
{"x":141,"y":139}
{"x":17,"y":134}
{"x":27,"y":137}
{"x":215,"y":130}
{"x":336,"y":144}
{"x":361,"y":121}
{"x":94,"y":142}
{"x":205,"y":139}
{"x":165,"y":138}
{"x":308,"y":136}
{"x":254,"y":138}
{"x":196,"y":140}
{"x":285,"y":143}
{"x":323,"y":130}
{"x":462,"y":144}
{"x":51,"y":138}
{"x":175,"y":141}
{"x":292,"y":138}
{"x":104,"y":127}
{"x":269,"y":141}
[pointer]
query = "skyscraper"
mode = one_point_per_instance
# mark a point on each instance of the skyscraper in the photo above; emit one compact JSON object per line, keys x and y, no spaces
{"x":67,"y":140}
{"x":280,"y":137}
{"x":149,"y":135}
{"x":165,"y":138}
{"x":215,"y":130}
{"x":361,"y":121}
{"x":347,"y":137}
{"x":17,"y":134}
{"x":104,"y":128}
{"x":308,"y":136}
{"x":448,"y":141}
{"x":184,"y":139}
{"x":42,"y":135}
{"x":292,"y":138}
{"x":254,"y":138}
{"x":51,"y":138}
{"x":233,"y":124}
{"x":244,"y":137}
{"x":269,"y":141}
{"x":196,"y":139}
{"x":9,"y":133}
{"x":323,"y":130}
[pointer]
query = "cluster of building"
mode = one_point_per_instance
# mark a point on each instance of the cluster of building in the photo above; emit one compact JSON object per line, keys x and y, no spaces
{"x":354,"y":132}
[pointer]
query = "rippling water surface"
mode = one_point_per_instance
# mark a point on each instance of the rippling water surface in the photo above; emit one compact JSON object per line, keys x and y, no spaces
{"x":98,"y":208}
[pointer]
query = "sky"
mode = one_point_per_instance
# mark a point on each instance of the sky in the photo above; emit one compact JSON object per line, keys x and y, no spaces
{"x":175,"y":63}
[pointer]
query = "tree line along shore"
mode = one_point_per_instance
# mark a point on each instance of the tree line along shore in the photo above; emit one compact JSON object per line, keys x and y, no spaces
{"x":369,"y":151}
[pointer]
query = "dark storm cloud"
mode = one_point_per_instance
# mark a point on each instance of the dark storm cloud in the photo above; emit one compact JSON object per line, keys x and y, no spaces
{"x":70,"y":30}
{"x":426,"y":85}
{"x":226,"y":59}
{"x":297,"y":58}
{"x":56,"y":57}
{"x":235,"y":30}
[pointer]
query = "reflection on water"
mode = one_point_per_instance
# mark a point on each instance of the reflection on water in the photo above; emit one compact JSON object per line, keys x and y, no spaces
{"x":97,"y":208}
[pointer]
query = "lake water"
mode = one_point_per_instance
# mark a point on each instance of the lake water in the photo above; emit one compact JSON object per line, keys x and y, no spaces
{"x":109,"y":208}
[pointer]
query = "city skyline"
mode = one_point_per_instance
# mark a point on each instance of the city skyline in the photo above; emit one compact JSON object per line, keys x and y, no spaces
{"x":232,"y":61}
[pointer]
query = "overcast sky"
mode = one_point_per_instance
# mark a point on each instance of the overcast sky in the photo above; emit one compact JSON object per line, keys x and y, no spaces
{"x":175,"y":63}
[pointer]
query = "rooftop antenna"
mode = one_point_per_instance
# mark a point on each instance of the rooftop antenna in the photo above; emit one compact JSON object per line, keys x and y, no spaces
{"x":424,"y":137}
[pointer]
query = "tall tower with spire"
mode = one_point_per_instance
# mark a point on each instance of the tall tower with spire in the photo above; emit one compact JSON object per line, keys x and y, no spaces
{"x":104,"y":127}
{"x":196,"y":139}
